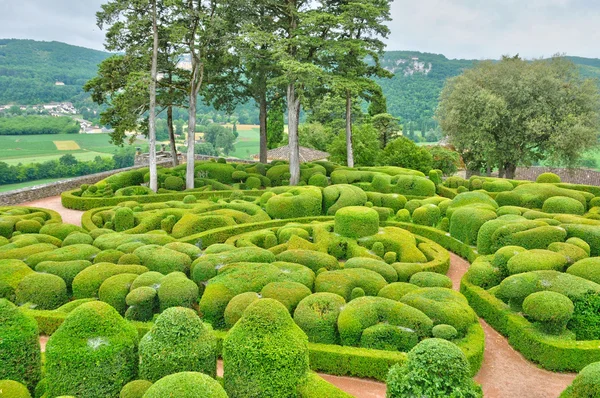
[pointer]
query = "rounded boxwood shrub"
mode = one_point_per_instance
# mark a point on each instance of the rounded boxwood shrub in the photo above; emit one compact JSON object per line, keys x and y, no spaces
{"x":548,"y":178}
{"x":108,"y":256}
{"x":135,"y":389}
{"x":287,"y":293}
{"x":189,"y":199}
{"x":141,"y":304}
{"x":123,"y":219}
{"x":28,"y":226}
{"x":317,"y":316}
{"x":428,"y":215}
{"x":93,"y":344}
{"x":42,"y":291}
{"x":253,"y":183}
{"x":446,"y":332}
{"x":318,"y":180}
{"x":381,"y":267}
{"x":20,"y":358}
{"x":312,"y":259}
{"x":13,"y":389}
{"x":129,"y":258}
{"x":536,"y":260}
{"x":236,"y":307}
{"x":115,"y":289}
{"x":586,"y":384}
{"x":550,"y":310}
{"x":77,"y":238}
{"x":265,"y":354}
{"x":434,"y":368}
{"x":588,"y":268}
{"x":342,"y":282}
{"x":561,"y":204}
{"x":387,"y":337}
{"x":430,"y":279}
{"x":466,"y":221}
{"x":186,"y":385}
{"x":178,"y":341}
{"x":174,"y":183}
{"x":356,"y":222}
{"x":176,"y":290}
{"x":162,"y":259}
{"x":395,"y":291}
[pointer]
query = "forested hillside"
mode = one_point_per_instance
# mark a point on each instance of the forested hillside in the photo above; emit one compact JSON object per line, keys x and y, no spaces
{"x":30,"y":69}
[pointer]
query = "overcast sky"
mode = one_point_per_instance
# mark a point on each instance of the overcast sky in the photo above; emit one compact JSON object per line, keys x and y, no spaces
{"x":456,"y":28}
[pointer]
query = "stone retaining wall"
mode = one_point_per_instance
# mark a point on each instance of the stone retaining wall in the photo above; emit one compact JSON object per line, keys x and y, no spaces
{"x":56,"y":188}
{"x":573,"y":176}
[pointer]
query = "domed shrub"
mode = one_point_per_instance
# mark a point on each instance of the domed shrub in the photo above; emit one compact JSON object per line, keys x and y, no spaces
{"x":317,"y":316}
{"x":186,"y":385}
{"x":483,"y":274}
{"x":191,"y":224}
{"x":135,"y":389}
{"x":192,"y":251}
{"x":342,"y":282}
{"x":435,"y":368}
{"x":395,"y":291}
{"x":296,"y":202}
{"x":364,"y":312}
{"x":151,"y":279}
{"x":318,"y":180}
{"x":163,"y":260}
{"x":19,"y":346}
{"x":77,"y":238}
{"x":287,"y":293}
{"x":413,"y":205}
{"x":176,"y":290}
{"x":189,"y":199}
{"x":11,"y":274}
{"x":124,"y":219}
{"x":178,"y":341}
{"x":403,"y":215}
{"x":265,"y":354}
{"x":237,"y":305}
{"x":239,"y":175}
{"x":430,"y":279}
{"x":87,"y":283}
{"x":174,"y":183}
{"x":571,"y":252}
{"x":561,"y":204}
{"x":536,"y":260}
{"x":579,"y":243}
{"x":28,"y":226}
{"x":356,"y":293}
{"x":67,"y":270}
{"x":129,"y":258}
{"x":466,"y":221}
{"x":497,"y":186}
{"x":108,"y":256}
{"x":356,"y":222}
{"x":586,"y":384}
{"x":92,"y":354}
{"x":115,"y":289}
{"x":42,"y":291}
{"x":73,"y":252}
{"x":428,"y":215}
{"x":312,"y":259}
{"x":381,"y":267}
{"x":167,"y":223}
{"x":503,"y":255}
{"x":588,"y":268}
{"x":253,"y":183}
{"x":551,"y":311}
{"x":383,"y":336}
{"x":446,"y":332}
{"x":60,"y":231}
{"x":141,"y":302}
{"x":13,"y":389}
{"x":548,"y":178}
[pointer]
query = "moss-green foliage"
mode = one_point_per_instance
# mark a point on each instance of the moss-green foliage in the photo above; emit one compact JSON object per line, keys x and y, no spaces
{"x":317,"y":316}
{"x":466,"y":221}
{"x":548,"y":178}
{"x":28,"y":226}
{"x":265,"y":354}
{"x":550,"y":310}
{"x":236,"y":307}
{"x":60,"y":231}
{"x":191,"y":224}
{"x":191,"y":250}
{"x":216,"y":171}
{"x":162,"y":259}
{"x":23,"y":253}
{"x":42,"y":291}
{"x":73,"y":252}
{"x":87,"y":283}
{"x":397,"y":290}
{"x":318,"y":180}
{"x":123,"y":219}
{"x":311,"y":259}
{"x":443,"y":306}
{"x":135,"y":389}
{"x":446,"y":332}
{"x":337,"y":196}
{"x":176,"y":290}
{"x":483,"y":274}
{"x":186,"y":385}
{"x":108,"y":256}
{"x":287,"y":293}
{"x":207,"y":266}
{"x":428,"y":215}
{"x":538,"y":238}
{"x":178,"y":341}
{"x":115,"y":289}
{"x":471,"y":199}
{"x":588,"y":233}
{"x":295,"y":202}
{"x":19,"y":347}
{"x":129,"y":258}
{"x":92,"y":354}
{"x":174,"y":183}
{"x":579,"y":243}
{"x":586,"y":319}
{"x":114,"y":240}
{"x":11,"y":274}
{"x":141,"y":303}
{"x":13,"y":389}
{"x":75,"y":238}
{"x":533,"y":196}
{"x":435,"y":368}
{"x":536,"y":260}
{"x":430,"y":279}
{"x":388,"y":337}
{"x":342,"y":282}
{"x":316,"y":387}
{"x":356,"y":222}
{"x":381,"y":267}
{"x":571,"y":252}
{"x":497,"y":186}
{"x":561,"y":204}
{"x":586,"y":384}
{"x":588,"y":268}
{"x":485,"y":242}
{"x":364,"y":312}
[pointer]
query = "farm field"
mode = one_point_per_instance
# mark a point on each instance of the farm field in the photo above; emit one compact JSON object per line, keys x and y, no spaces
{"x":11,"y":187}
{"x":247,"y":143}
{"x":40,"y":148}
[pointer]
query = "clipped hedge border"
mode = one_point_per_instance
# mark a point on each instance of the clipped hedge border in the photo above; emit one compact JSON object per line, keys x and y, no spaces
{"x":53,"y":216}
{"x":74,"y":202}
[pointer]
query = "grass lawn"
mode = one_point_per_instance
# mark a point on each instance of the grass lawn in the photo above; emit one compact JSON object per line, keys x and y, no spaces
{"x":247,"y":144}
{"x":10,"y":187}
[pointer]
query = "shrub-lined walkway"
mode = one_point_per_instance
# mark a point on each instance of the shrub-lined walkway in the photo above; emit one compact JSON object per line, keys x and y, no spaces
{"x":504,"y":373}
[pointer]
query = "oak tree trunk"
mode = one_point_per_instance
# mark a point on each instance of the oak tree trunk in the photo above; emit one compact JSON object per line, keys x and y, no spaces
{"x":191,"y":137}
{"x":293,"y":115}
{"x":263,"y":126}
{"x":172,"y":135}
{"x":152,"y":110}
{"x":349,"y":150}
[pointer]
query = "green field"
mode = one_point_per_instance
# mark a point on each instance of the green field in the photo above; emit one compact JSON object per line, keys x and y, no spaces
{"x":39,"y":148}
{"x":10,"y":187}
{"x":247,"y":144}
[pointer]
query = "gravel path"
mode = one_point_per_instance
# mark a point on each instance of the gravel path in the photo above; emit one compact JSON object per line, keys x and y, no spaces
{"x":505,"y":373}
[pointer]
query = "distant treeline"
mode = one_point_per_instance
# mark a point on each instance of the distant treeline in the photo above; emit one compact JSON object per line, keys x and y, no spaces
{"x":30,"y":125}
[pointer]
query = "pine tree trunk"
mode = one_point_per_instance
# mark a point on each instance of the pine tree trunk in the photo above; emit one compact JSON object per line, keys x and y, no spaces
{"x":152,"y":110}
{"x":191,"y":139}
{"x":263,"y":126}
{"x":349,"y":150}
{"x":293,"y":103}
{"x":172,"y":135}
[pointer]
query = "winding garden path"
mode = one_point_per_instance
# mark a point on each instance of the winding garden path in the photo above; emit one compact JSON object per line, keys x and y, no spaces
{"x":505,"y":373}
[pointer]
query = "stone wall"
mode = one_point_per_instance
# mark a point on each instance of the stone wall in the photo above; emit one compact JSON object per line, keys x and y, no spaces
{"x":573,"y":176}
{"x":29,"y":194}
